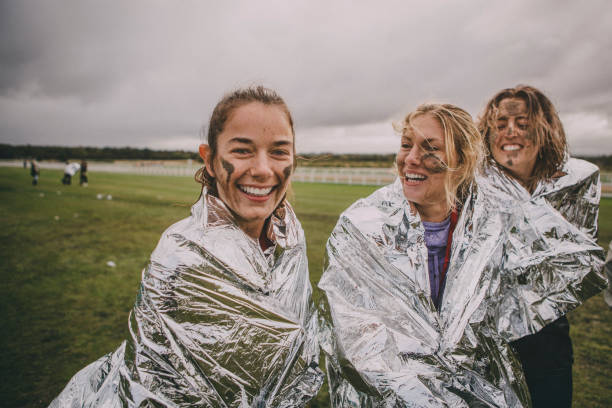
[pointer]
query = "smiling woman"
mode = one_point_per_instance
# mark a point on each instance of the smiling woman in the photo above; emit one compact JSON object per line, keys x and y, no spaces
{"x":224,"y":316}
{"x":252,"y":162}
{"x":529,"y":163}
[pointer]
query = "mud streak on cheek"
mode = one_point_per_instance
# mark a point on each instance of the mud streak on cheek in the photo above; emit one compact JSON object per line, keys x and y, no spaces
{"x":287,"y":171}
{"x":433,"y":164}
{"x":509,"y":163}
{"x":229,"y":168}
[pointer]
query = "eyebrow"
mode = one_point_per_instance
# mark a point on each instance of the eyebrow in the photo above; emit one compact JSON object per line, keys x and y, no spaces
{"x":243,"y":140}
{"x":248,"y":141}
{"x":429,"y":141}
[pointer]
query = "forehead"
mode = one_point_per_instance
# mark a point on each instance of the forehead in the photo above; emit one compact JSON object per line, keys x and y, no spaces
{"x":425,"y":126}
{"x":257,"y":122}
{"x":512,"y":107}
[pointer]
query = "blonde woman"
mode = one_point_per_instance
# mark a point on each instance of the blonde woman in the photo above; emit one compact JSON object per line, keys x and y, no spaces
{"x":416,"y":307}
{"x":528,"y":164}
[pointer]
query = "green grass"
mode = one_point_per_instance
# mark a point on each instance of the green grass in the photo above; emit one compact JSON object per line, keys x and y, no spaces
{"x":62,"y":307}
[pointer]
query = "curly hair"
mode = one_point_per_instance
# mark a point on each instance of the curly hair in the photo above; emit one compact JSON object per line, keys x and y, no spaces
{"x":222,"y":113}
{"x":544,"y":123}
{"x":463,"y":147}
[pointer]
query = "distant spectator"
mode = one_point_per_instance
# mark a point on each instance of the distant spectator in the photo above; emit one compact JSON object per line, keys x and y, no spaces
{"x":34,"y":171}
{"x":83,"y":179}
{"x":25,"y":164}
{"x":69,"y":171}
{"x":608,"y":271}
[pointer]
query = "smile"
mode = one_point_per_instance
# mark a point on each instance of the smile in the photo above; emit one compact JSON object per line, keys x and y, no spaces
{"x":415,"y":177}
{"x":511,"y":147}
{"x":256,"y":191}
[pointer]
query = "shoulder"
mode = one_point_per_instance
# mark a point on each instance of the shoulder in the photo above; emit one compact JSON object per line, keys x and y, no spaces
{"x":580,"y":169}
{"x":387,"y":197}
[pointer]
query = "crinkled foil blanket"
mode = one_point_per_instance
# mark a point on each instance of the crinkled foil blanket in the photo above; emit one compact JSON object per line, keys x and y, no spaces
{"x":217,"y":323}
{"x":518,"y":261}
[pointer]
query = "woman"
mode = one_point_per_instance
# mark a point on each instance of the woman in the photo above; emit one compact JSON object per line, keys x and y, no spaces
{"x":528,"y":162}
{"x":223,"y":317}
{"x":417,"y":311}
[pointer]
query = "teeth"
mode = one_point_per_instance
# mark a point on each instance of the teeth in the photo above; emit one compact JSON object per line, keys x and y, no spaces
{"x":256,"y":191}
{"x":414,"y":176}
{"x":511,"y":147}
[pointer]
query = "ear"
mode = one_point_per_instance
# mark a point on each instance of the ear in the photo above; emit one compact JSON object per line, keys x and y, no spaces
{"x":205,"y":154}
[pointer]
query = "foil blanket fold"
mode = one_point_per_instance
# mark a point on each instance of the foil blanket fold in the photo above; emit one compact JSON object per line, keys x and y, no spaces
{"x":217,"y":322}
{"x":518,"y":261}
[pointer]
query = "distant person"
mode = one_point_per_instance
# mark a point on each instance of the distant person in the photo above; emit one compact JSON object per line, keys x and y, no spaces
{"x":608,"y":292}
{"x":528,"y":159}
{"x":224,"y":315}
{"x":25,"y":163}
{"x":34,"y":171}
{"x":70,"y":170}
{"x":83,"y":178}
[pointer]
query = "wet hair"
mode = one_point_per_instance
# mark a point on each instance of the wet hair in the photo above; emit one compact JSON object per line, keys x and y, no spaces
{"x":544,"y":123}
{"x":222,"y":113}
{"x":463,"y":147}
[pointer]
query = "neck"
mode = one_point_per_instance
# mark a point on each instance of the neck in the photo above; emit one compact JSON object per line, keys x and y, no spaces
{"x":523,"y":179}
{"x":433,"y":212}
{"x":252,"y":229}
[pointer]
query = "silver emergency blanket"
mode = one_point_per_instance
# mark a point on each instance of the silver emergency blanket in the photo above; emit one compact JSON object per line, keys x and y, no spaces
{"x":217,"y":322}
{"x":518,"y":262}
{"x":608,"y":268}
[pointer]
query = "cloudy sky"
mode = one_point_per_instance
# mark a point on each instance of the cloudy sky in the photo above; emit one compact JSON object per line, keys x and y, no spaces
{"x":148,"y":73}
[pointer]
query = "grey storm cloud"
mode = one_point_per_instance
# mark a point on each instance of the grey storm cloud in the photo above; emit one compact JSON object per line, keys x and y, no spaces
{"x":149,"y":73}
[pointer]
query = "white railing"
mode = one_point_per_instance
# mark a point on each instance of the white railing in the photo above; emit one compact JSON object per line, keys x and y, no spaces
{"x":335,"y":175}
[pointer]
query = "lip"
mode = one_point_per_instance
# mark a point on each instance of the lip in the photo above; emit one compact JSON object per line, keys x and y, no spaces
{"x":257,"y":198}
{"x":503,"y":147}
{"x":409,"y":182}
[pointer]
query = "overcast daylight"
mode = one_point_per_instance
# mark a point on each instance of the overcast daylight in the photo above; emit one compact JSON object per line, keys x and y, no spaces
{"x":148,"y":73}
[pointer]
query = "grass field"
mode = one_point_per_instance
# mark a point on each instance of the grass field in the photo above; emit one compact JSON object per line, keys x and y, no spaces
{"x":62,"y":307}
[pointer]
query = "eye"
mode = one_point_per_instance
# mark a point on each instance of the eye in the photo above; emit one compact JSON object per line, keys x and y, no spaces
{"x":240,"y":150}
{"x":522,"y":126}
{"x":501,"y":126}
{"x":406,"y":144}
{"x":431,"y":148}
{"x":280,"y":152}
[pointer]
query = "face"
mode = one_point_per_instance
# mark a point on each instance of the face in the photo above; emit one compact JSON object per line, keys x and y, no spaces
{"x":253,"y":164}
{"x":512,"y":143}
{"x":421,"y":162}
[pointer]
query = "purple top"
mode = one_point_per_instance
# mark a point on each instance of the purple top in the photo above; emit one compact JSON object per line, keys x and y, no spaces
{"x":436,"y":238}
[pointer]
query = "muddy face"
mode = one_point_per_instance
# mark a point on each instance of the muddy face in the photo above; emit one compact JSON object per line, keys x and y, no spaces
{"x":254,"y":163}
{"x":512,"y":142}
{"x":421,"y":163}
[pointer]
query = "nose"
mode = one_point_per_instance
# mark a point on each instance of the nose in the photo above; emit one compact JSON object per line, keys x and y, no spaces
{"x":261,"y":168}
{"x":413,"y":156}
{"x":511,"y":130}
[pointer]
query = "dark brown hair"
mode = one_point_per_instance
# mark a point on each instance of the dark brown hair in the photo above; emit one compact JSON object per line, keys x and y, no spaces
{"x":221,"y":114}
{"x":544,"y":123}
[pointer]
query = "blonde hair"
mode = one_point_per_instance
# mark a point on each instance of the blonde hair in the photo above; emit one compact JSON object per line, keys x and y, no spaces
{"x":463,"y":145}
{"x":544,"y":123}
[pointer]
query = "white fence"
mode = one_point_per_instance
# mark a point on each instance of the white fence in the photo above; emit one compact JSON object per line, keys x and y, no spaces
{"x":336,"y":175}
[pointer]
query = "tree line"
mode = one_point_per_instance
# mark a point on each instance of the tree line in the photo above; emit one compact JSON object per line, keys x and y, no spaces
{"x":63,"y":153}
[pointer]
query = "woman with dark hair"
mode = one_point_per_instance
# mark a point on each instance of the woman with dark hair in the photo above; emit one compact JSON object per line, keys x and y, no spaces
{"x":420,"y":302}
{"x":224,"y":315}
{"x":528,"y":163}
